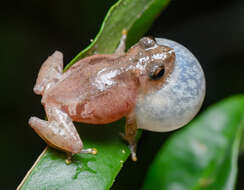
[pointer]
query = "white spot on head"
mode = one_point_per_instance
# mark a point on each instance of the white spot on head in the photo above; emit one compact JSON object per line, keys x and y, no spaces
{"x":159,"y":56}
{"x":153,"y":47}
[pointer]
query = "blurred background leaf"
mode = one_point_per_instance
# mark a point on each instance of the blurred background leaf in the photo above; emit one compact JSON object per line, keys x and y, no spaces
{"x":96,"y":172}
{"x":204,"y":154}
{"x":134,"y":16}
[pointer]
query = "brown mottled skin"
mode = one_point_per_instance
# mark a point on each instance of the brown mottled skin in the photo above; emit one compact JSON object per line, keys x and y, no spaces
{"x":98,"y":89}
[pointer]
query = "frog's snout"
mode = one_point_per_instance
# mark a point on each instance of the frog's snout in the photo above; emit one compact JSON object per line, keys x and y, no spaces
{"x":180,"y":97}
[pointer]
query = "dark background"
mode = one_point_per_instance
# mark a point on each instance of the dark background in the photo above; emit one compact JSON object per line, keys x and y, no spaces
{"x":32,"y":30}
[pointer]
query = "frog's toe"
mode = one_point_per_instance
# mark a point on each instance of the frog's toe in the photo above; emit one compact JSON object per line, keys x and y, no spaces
{"x":89,"y":151}
{"x":132,"y":148}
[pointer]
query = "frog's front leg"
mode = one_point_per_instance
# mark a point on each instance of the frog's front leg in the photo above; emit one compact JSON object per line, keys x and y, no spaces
{"x":59,"y":132}
{"x":50,"y":72}
{"x":130,"y":134}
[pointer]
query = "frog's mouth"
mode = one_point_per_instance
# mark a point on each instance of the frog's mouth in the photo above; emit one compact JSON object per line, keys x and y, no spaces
{"x":179,"y":99}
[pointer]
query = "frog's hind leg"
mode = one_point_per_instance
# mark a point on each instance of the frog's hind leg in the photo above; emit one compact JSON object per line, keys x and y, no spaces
{"x":59,"y":132}
{"x":50,"y":72}
{"x":57,"y":135}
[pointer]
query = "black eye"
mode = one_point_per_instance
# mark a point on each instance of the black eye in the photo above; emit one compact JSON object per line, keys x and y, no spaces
{"x":157,"y":73}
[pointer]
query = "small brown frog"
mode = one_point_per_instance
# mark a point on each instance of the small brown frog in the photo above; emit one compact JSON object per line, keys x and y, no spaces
{"x":103,"y":88}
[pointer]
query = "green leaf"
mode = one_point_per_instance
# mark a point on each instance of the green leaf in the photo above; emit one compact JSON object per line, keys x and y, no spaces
{"x":204,"y":154}
{"x":96,"y":171}
{"x":135,"y":16}
{"x":86,"y":171}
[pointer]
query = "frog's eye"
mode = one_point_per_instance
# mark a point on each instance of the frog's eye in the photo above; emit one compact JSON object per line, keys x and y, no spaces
{"x":147,"y":42}
{"x":156,"y":72}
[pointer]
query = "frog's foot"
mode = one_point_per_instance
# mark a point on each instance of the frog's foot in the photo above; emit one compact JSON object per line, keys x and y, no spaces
{"x":50,"y":72}
{"x":122,"y":45}
{"x":89,"y":151}
{"x":132,"y":148}
{"x":85,"y":151}
{"x":68,"y":160}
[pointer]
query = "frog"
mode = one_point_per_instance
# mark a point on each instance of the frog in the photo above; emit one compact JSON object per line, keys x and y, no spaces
{"x":157,"y":85}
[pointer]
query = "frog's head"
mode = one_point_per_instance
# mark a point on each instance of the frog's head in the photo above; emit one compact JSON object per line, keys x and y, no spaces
{"x":154,"y":62}
{"x":174,"y":83}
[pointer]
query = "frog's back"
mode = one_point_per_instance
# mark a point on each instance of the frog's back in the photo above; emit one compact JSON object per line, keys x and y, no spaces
{"x":90,"y":96}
